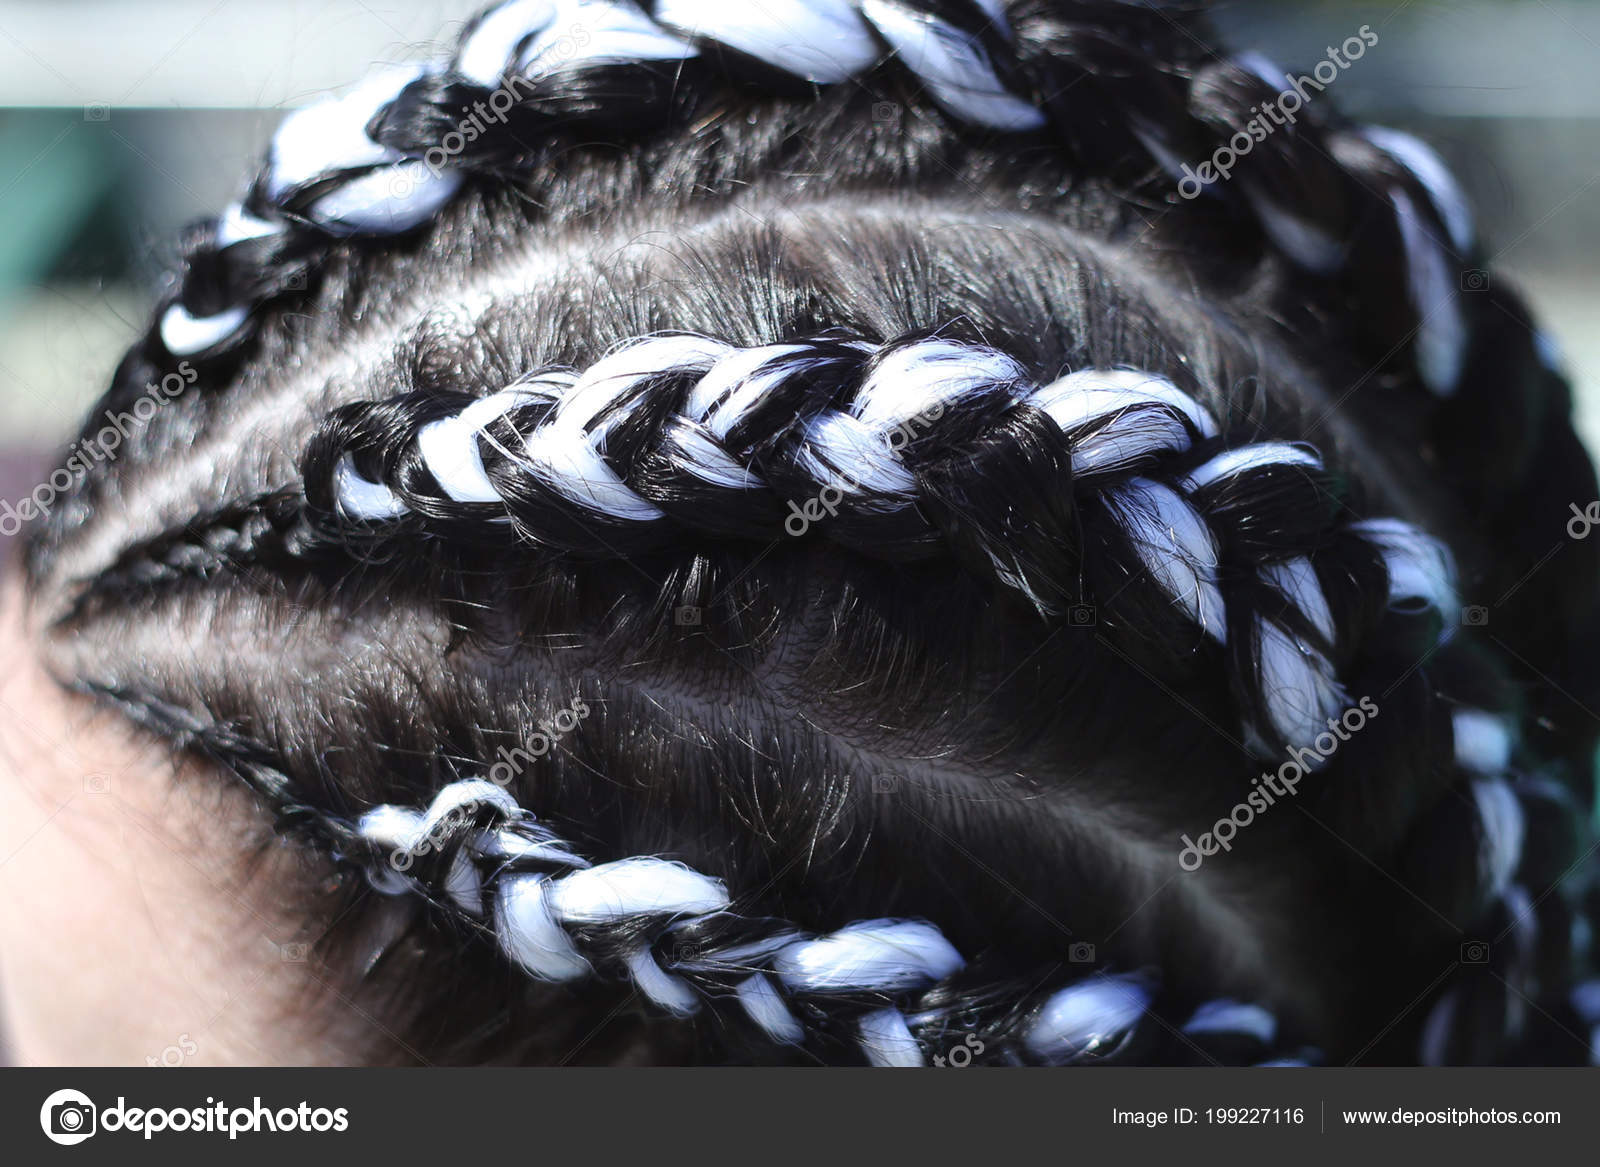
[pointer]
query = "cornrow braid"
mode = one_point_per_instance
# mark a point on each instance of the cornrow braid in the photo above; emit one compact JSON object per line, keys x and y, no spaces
{"x":877,"y":446}
{"x":896,"y":989}
{"x":380,"y":161}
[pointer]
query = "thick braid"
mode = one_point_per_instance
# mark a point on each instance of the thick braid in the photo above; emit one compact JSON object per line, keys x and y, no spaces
{"x":388,"y":156}
{"x":873,"y":445}
{"x":885,"y":986}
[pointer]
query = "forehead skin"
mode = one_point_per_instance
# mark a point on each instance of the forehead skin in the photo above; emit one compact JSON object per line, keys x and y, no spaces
{"x":130,"y":932}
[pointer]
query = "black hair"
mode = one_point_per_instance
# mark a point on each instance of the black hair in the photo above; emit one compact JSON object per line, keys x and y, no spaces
{"x":974,"y":709}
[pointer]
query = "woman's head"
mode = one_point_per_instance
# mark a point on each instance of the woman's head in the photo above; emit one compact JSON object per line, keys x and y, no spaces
{"x":827,"y":449}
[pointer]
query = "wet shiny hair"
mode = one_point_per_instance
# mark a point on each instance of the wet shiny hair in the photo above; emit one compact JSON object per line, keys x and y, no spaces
{"x":944,"y":523}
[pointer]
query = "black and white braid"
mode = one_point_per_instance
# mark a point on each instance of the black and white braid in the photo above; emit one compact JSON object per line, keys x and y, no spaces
{"x":684,"y":431}
{"x":342,"y":169}
{"x":678,"y":938}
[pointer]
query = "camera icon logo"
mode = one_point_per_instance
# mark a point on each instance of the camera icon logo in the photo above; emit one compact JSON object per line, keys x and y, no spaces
{"x":1081,"y":953}
{"x":1475,"y":280}
{"x":1474,"y":952}
{"x":1083,"y":616}
{"x":1475,"y":616}
{"x":68,"y":1117}
{"x":97,"y":111}
{"x":294,"y":952}
{"x":687,"y":616}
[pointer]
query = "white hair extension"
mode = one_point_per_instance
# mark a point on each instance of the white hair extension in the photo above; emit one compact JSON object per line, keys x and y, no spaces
{"x":1297,"y":684}
{"x":1243,"y":459}
{"x":842,"y":452}
{"x":484,"y":54}
{"x":450,"y":446}
{"x":953,"y":67}
{"x":1297,"y":580}
{"x":735,"y":384}
{"x":765,"y":1007}
{"x":614,"y":34}
{"x":673,"y":994}
{"x":330,"y":135}
{"x":1262,"y":66}
{"x":1483,"y":741}
{"x":823,"y":41}
{"x":922,"y":380}
{"x":641,"y":886}
{"x":886,"y":1040}
{"x":1441,"y":343}
{"x":911,"y":386}
{"x":1130,"y":431}
{"x":1225,"y":1016}
{"x":1421,"y":568}
{"x":362,"y":498}
{"x":564,"y":452}
{"x":886,"y":955}
{"x":1085,"y":1016}
{"x":1176,"y":546}
{"x":1433,"y":1047}
{"x":464,"y":886}
{"x":529,"y":933}
{"x":1076,"y":398}
{"x":390,"y":829}
{"x":620,"y":372}
{"x":1297,"y":680}
{"x":1504,"y":829}
{"x":1423,"y":161}
{"x":391,"y":201}
{"x":562,"y":456}
{"x":505,"y":846}
{"x":237,"y":224}
{"x":185,"y":334}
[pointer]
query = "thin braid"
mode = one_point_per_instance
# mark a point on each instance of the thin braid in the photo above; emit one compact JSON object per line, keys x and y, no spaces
{"x":885,"y":986}
{"x":677,"y":936}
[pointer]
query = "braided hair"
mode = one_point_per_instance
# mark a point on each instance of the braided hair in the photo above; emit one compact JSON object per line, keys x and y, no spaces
{"x":787,"y":534}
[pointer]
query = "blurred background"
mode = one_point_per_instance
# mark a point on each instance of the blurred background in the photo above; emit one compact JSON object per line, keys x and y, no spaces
{"x":120,"y":120}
